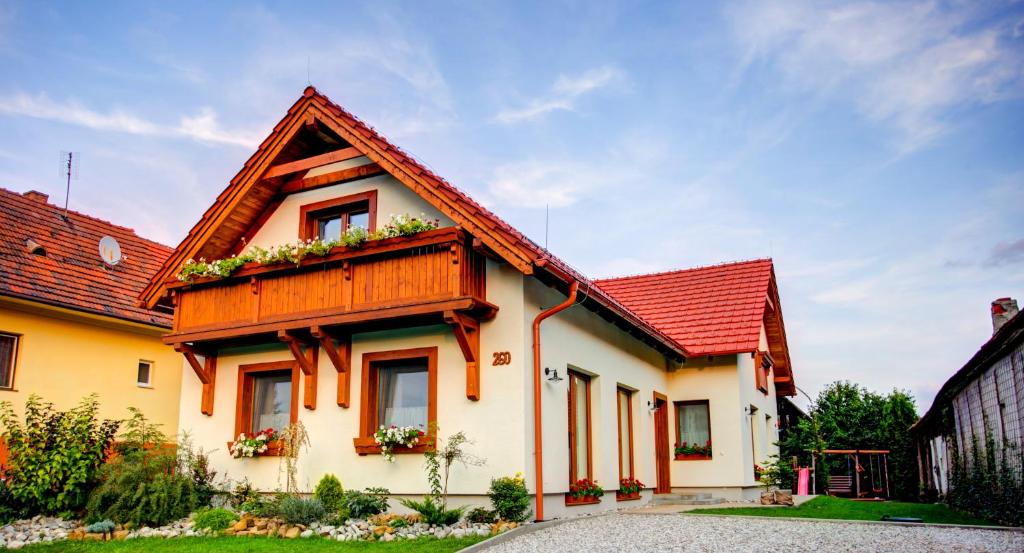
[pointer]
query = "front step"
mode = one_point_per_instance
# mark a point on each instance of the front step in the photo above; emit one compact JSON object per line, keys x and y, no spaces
{"x":686,"y":499}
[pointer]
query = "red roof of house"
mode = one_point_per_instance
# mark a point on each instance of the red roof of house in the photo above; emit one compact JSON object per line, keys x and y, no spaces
{"x":71,"y":273}
{"x":713,"y":310}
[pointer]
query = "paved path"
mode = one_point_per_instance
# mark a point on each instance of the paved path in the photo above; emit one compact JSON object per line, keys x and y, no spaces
{"x":648,"y":533}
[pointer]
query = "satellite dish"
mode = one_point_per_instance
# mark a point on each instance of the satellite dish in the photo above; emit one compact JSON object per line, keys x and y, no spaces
{"x":110,"y":251}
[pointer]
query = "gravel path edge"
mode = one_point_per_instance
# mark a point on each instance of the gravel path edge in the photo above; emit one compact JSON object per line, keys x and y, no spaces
{"x":520,"y":531}
{"x":850,"y":521}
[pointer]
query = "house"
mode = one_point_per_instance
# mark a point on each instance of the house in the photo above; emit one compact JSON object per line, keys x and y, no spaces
{"x":981,"y":404}
{"x":70,"y":324}
{"x":471,"y":326}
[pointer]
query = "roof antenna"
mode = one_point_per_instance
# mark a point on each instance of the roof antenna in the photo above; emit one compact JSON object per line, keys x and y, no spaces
{"x":69,"y":162}
{"x":308,"y":81}
{"x":547,"y":217}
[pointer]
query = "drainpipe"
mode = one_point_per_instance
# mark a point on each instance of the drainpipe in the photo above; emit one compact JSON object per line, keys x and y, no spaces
{"x":538,"y":459}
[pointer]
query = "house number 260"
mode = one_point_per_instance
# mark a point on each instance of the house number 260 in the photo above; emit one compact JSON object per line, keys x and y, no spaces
{"x":502,"y":358}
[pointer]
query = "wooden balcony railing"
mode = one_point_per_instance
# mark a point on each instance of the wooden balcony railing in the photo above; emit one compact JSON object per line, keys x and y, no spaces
{"x":432,"y":272}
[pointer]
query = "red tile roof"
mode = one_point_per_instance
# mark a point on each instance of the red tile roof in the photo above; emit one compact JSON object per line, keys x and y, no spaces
{"x":71,"y":273}
{"x":713,"y":310}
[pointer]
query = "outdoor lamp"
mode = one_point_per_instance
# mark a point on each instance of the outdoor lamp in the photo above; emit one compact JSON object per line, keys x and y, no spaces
{"x":554,"y":374}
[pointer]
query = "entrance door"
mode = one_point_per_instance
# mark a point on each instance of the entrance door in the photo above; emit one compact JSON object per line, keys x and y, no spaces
{"x":661,"y":453}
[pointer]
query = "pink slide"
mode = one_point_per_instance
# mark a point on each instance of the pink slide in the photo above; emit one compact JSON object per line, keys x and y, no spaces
{"x":803,"y":478}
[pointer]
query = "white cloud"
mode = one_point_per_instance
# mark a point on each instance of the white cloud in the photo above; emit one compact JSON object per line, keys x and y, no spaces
{"x":202,"y":127}
{"x":564,"y":93}
{"x":904,"y":64}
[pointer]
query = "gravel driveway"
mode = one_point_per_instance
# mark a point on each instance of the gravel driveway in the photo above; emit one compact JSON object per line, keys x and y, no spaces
{"x":652,"y":533}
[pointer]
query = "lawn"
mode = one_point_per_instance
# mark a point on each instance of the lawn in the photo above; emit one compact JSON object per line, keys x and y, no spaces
{"x":838,"y":508}
{"x":253,"y":545}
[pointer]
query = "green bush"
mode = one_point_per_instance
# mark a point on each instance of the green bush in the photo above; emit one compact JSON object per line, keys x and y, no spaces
{"x":53,"y":458}
{"x":298,"y":510}
{"x":330,"y":493}
{"x":145,"y":484}
{"x":480,"y":515}
{"x":101,"y":527}
{"x":510,"y":498}
{"x":433,"y":511}
{"x":367,"y":503}
{"x":243,"y":493}
{"x":214,"y":519}
{"x":8,"y":510}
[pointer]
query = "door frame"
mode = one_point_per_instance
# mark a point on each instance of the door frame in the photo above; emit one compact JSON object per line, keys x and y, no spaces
{"x":661,"y":447}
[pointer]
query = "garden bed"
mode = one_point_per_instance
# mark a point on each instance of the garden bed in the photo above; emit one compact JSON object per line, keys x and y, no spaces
{"x":263,"y":545}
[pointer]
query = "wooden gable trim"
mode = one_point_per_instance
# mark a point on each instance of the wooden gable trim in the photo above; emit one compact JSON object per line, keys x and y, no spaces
{"x":205,"y":371}
{"x":307,"y":360}
{"x":467,"y":334}
{"x":313,"y":162}
{"x":338,"y":348}
{"x":302,"y":184}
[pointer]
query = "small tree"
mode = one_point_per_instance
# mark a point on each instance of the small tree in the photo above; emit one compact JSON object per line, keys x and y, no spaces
{"x":439,"y":464}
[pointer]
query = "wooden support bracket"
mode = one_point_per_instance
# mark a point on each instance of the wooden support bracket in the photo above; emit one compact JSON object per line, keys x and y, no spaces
{"x":206,"y":371}
{"x":338,"y":348}
{"x":467,"y":334}
{"x":307,"y":361}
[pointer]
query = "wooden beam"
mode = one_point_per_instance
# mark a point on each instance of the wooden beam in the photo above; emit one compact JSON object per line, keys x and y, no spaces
{"x":206,"y":371}
{"x":311,"y":162}
{"x":301,"y":184}
{"x":339,"y":350}
{"x":467,"y":334}
{"x":307,"y":361}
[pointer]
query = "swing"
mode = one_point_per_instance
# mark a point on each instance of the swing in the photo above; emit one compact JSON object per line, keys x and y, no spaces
{"x":876,"y":474}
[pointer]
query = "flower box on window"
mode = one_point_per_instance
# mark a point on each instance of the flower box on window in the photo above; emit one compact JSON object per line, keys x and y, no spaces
{"x":369,"y":446}
{"x":692,"y":457}
{"x":274,"y":449}
{"x":571,"y":500}
{"x":584,"y":492}
{"x":629,"y":489}
{"x":627,"y":496}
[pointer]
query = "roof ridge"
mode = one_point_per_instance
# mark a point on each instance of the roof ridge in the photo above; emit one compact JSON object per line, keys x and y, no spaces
{"x":689,"y":269}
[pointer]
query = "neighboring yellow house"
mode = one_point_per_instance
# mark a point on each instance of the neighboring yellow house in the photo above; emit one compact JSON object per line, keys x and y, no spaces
{"x":70,"y":324}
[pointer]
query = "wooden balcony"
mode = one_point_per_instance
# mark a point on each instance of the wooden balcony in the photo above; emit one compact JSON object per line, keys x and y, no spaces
{"x":385,"y":283}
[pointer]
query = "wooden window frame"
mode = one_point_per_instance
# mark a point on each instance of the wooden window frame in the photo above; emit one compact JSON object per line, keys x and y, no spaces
{"x":364,"y":442}
{"x":310,"y":214}
{"x":14,"y":360}
{"x":243,"y":403}
{"x":678,"y":405}
{"x":629,"y":415}
{"x":573,"y":476}
{"x":149,"y":382}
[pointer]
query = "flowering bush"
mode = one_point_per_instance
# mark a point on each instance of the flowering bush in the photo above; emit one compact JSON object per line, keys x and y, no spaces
{"x":353,"y":237}
{"x":628,"y":486}
{"x":510,"y":498}
{"x":694,"y":449}
{"x":388,"y":437}
{"x":584,"y":488}
{"x":251,"y":446}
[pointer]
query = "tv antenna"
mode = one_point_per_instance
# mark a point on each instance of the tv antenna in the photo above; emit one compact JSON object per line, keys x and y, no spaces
{"x":69,"y":162}
{"x":547,"y":218}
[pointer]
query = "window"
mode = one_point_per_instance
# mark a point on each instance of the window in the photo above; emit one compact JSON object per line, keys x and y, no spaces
{"x":693,"y":423}
{"x":8,"y":357}
{"x":625,"y":433}
{"x":329,"y":219}
{"x":145,"y":375}
{"x":268,"y":396}
{"x":579,"y":427}
{"x":398,"y":387}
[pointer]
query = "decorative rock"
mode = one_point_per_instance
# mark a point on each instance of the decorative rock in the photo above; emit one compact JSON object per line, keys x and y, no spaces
{"x":292,"y":532}
{"x":120,"y":534}
{"x":242,"y":524}
{"x":306,"y":534}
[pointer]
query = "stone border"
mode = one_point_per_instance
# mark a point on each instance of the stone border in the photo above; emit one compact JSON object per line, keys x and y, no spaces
{"x":522,"y":530}
{"x":849,"y":521}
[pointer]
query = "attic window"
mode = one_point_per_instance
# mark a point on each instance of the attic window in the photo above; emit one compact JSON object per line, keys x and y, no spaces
{"x":329,"y":219}
{"x":34,"y":248}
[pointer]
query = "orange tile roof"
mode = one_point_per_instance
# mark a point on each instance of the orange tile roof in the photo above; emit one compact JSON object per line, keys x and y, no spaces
{"x":71,"y":273}
{"x":714,"y":310}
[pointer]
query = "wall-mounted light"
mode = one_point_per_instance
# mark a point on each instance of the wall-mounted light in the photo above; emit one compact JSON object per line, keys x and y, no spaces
{"x":651,"y":406}
{"x":553,"y":374}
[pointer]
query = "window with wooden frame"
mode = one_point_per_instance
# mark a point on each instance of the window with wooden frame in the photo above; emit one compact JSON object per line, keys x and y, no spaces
{"x":329,"y":219}
{"x":268,"y":397}
{"x":144,"y":374}
{"x":399,"y":387}
{"x":693,"y":429}
{"x":8,"y":359}
{"x":762,"y":370}
{"x":580,"y":448}
{"x":624,"y":398}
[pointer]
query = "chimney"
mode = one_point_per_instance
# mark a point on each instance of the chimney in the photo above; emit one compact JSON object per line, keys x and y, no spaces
{"x":37,"y":196}
{"x":1003,"y":309}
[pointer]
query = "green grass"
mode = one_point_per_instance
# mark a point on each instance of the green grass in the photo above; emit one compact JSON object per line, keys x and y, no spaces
{"x":253,"y":545}
{"x":838,"y":508}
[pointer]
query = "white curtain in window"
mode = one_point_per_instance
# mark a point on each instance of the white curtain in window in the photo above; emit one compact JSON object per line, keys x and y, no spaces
{"x":271,"y":402}
{"x":693,"y":424}
{"x":402,"y":399}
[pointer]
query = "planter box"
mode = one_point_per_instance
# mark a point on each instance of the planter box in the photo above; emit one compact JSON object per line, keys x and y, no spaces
{"x":368,"y":446}
{"x":692,"y":457}
{"x":273,"y":450}
{"x":627,"y":496}
{"x":589,"y":500}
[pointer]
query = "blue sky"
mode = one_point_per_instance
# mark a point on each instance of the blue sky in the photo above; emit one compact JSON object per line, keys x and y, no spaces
{"x":875,"y":150}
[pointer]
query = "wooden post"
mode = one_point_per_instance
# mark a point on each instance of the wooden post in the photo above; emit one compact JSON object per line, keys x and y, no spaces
{"x":885,"y":465}
{"x":856,"y":475}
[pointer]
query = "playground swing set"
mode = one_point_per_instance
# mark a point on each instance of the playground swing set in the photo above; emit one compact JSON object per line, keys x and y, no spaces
{"x":862,"y":481}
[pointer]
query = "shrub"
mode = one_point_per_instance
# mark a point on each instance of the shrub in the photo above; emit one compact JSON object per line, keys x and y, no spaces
{"x":510,"y":498}
{"x":145,"y":483}
{"x":214,"y":519}
{"x":195,"y":465}
{"x":363,"y":504}
{"x":260,"y":506}
{"x":8,"y":510}
{"x":298,"y":510}
{"x":433,"y":511}
{"x":101,"y":527}
{"x":330,"y":493}
{"x":54,"y":457}
{"x":243,"y":493}
{"x":480,"y":515}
